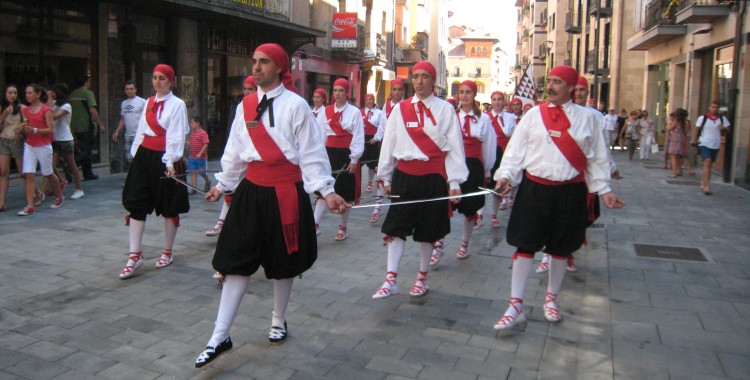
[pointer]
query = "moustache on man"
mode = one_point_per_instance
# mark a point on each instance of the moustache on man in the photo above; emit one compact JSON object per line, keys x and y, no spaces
{"x":551,"y":92}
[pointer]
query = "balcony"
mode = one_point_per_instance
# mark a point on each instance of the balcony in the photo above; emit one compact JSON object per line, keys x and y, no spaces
{"x":572,"y":25}
{"x":657,"y":27}
{"x":602,"y":61}
{"x":701,"y":11}
{"x":603,"y":6}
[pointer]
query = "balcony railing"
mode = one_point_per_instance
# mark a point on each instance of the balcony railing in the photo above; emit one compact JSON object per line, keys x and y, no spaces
{"x":702,"y":11}
{"x":603,"y":6}
{"x":659,"y":12}
{"x":571,"y":23}
{"x":602,"y":60}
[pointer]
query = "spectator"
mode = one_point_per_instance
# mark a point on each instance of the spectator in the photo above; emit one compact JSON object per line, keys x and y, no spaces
{"x":631,"y":133}
{"x":11,"y":142}
{"x":610,"y":122}
{"x":63,"y":145}
{"x":707,"y":133}
{"x":131,"y":110}
{"x":678,"y":147}
{"x":648,"y":134}
{"x":620,"y":124}
{"x":83,"y":105}
{"x":198,"y":159}
{"x":38,"y":149}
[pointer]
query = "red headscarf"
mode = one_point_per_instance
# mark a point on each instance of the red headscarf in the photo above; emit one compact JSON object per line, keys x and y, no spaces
{"x":322,"y":93}
{"x":502,"y":96}
{"x":281,"y":58}
{"x":397,"y":82}
{"x":167,"y":70}
{"x":341,"y":82}
{"x":516,"y":101}
{"x":426,"y":66}
{"x":566,"y":73}
{"x":370,"y":96}
{"x":470,"y":84}
{"x":250,"y":80}
{"x":582,"y":82}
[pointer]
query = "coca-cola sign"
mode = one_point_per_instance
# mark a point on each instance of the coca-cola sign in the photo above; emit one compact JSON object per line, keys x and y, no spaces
{"x":344,"y":25}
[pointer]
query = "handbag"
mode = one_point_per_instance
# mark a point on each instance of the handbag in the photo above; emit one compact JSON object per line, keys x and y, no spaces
{"x":654,"y":148}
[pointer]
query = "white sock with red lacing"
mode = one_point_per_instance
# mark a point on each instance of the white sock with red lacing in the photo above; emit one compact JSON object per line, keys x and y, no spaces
{"x":170,"y":232}
{"x":395,"y":253}
{"x":557,"y":269}
{"x":231,"y":295}
{"x":425,"y":252}
{"x":320,"y":209}
{"x":282,"y":289}
{"x":381,"y":189}
{"x":136,"y":234}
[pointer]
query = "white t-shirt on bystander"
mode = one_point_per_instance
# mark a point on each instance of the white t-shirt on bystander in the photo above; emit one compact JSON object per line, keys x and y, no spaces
{"x":62,"y":124}
{"x":710,"y":135}
{"x":131,"y":110}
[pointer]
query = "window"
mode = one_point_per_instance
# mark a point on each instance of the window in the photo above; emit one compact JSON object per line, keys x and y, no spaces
{"x":478,"y":72}
{"x":473,"y":51}
{"x":456,"y":71}
{"x":480,"y":87}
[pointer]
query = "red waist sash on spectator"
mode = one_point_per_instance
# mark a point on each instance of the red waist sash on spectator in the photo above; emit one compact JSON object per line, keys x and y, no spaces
{"x":275,"y":170}
{"x":159,"y":142}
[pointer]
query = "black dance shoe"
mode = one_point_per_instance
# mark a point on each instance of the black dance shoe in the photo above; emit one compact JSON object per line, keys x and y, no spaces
{"x":211,"y":353}
{"x":277,"y":334}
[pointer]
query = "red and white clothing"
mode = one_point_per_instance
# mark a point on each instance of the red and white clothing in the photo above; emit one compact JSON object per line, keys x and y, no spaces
{"x":296,"y":135}
{"x":374,"y":122}
{"x":532,"y":149}
{"x":446,"y":133}
{"x":388,"y":108}
{"x":317,"y":111}
{"x":479,"y":138}
{"x":172,"y":116}
{"x":198,"y":139}
{"x":505,"y":122}
{"x":351,"y":122}
{"x":38,"y":147}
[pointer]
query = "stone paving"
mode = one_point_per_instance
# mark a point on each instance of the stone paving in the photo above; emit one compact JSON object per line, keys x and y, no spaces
{"x":64,"y":314}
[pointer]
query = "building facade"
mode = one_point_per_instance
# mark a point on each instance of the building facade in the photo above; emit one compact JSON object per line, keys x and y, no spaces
{"x":694,"y":54}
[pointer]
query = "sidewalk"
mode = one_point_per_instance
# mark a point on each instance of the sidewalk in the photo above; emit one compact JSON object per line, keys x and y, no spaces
{"x":65,"y":314}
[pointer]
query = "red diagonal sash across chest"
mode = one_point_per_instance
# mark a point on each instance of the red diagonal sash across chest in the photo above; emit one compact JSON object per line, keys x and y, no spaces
{"x":502,"y":138}
{"x":415,"y":129}
{"x":268,"y":150}
{"x":334,"y":122}
{"x":370,"y":128}
{"x":557,"y":129}
{"x":388,"y":109}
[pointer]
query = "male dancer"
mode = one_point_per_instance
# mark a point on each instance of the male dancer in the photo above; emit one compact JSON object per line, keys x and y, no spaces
{"x":556,"y":152}
{"x":503,"y":123}
{"x":374,"y":121}
{"x":275,"y":143}
{"x":422,"y":157}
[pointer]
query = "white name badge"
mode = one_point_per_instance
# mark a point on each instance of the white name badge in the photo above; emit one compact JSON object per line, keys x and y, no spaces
{"x":412,"y":124}
{"x":555,"y":133}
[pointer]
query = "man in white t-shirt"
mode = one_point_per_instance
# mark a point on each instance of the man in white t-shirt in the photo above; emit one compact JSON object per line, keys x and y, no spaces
{"x":131,"y":110}
{"x":707,"y":133}
{"x":610,"y":123}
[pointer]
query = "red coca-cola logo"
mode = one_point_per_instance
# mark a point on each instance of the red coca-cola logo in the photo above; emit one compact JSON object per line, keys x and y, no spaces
{"x":344,"y":25}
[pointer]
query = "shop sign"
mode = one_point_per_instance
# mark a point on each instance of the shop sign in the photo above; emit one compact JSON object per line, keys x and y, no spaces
{"x":342,"y":43}
{"x":344,"y":25}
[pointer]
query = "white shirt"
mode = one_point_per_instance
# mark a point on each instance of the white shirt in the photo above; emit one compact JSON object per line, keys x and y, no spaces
{"x":398,"y":145}
{"x":532,"y":149}
{"x":482,"y":130}
{"x":131,"y":110}
{"x":610,"y":122}
{"x":173,"y":118}
{"x":296,"y":134}
{"x":62,"y":124}
{"x":605,"y":135}
{"x":317,"y":111}
{"x":351,"y":121}
{"x":377,"y":119}
{"x":508,"y":123}
{"x":710,"y":135}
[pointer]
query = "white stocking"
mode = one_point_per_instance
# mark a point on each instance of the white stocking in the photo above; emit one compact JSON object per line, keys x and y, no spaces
{"x":170,"y":232}
{"x":495,"y":204}
{"x":556,"y":274}
{"x":521,"y":271}
{"x":136,"y":234}
{"x":381,"y":189}
{"x":282,"y":289}
{"x":320,"y":209}
{"x":231,"y":295}
{"x":425,"y":252}
{"x":345,"y":218}
{"x":224,"y":211}
{"x":370,"y":174}
{"x":395,"y":253}
{"x":468,"y":229}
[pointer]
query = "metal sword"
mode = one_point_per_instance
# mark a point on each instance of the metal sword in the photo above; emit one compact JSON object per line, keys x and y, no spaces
{"x":474,"y":194}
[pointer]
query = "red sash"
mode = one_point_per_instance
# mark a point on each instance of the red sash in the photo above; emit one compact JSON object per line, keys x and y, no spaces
{"x":472,"y":145}
{"x":436,"y":157}
{"x":342,"y":138}
{"x":502,"y":138}
{"x":388,"y":109}
{"x":159,"y":142}
{"x":557,"y":125}
{"x":275,"y":170}
{"x":370,"y":129}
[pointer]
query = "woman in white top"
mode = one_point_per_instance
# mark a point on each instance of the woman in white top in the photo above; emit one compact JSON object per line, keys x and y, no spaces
{"x":11,"y":142}
{"x":63,"y":144}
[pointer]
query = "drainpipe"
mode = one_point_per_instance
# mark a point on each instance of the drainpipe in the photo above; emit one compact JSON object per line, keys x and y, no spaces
{"x":734,"y":92}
